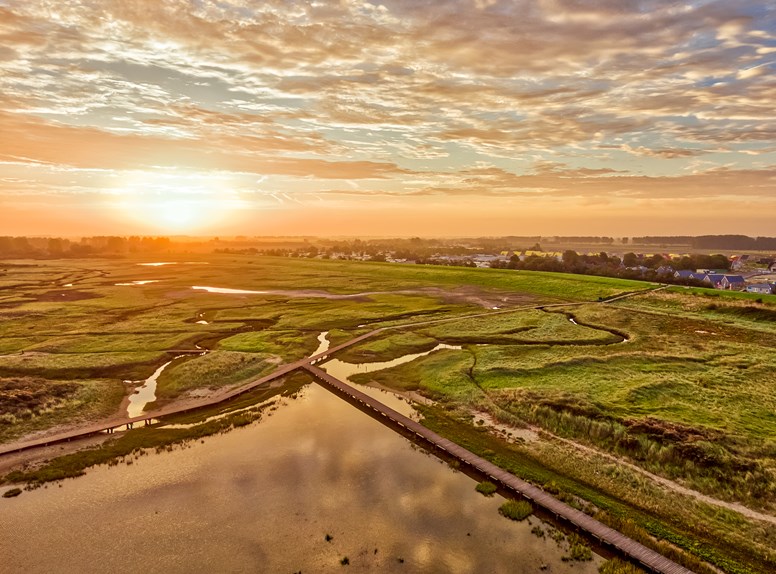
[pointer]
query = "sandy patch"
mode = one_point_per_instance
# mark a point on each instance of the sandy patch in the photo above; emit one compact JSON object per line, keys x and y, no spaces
{"x":504,"y":431}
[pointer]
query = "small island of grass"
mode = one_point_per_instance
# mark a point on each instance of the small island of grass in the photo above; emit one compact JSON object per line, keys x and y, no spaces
{"x":516,"y":509}
{"x":486,"y":488}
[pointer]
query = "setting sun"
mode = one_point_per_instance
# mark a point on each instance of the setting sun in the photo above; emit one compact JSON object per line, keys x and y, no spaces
{"x":175,"y":202}
{"x":547,"y":117}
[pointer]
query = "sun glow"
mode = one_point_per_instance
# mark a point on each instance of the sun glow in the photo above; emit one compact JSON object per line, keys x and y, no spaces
{"x":174,"y":202}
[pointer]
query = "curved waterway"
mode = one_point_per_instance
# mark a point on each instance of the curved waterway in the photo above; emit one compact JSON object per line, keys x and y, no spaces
{"x":147,"y":392}
{"x":262,"y":498}
{"x":344,"y":371}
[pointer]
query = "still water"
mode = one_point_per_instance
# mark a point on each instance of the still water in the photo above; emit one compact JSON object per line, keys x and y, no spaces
{"x":262,"y":498}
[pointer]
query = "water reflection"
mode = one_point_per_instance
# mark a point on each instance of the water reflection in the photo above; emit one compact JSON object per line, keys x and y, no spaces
{"x":344,"y":371}
{"x":146,"y":393}
{"x":263,"y":497}
{"x":227,"y":291}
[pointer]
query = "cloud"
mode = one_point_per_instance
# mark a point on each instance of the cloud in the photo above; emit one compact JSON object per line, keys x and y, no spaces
{"x":405,"y":94}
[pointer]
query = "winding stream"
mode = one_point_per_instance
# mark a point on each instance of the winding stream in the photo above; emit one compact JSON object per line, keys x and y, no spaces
{"x":146,"y":393}
{"x":344,"y":371}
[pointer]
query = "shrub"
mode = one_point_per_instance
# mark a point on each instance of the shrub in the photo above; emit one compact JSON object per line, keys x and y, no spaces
{"x":516,"y":509}
{"x":617,"y":566}
{"x":578,"y":550}
{"x":486,"y":487}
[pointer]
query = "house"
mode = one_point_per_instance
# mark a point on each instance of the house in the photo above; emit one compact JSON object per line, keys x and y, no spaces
{"x":665,"y":270}
{"x":684,"y":274}
{"x":484,"y":260}
{"x":739,"y":262}
{"x":735,"y":282}
{"x":715,"y":279}
{"x":762,"y":288}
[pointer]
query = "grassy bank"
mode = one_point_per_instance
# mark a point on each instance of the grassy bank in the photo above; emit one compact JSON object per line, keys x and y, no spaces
{"x":678,"y":528}
{"x":201,"y":423}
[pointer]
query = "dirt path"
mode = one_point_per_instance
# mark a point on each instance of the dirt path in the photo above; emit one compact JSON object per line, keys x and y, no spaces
{"x":666,"y":482}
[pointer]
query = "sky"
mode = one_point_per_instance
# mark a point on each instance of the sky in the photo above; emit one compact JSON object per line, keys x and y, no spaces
{"x":395,"y":117}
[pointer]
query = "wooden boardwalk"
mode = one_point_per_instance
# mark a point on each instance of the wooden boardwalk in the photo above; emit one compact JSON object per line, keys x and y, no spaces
{"x":147,"y":418}
{"x":633,"y":550}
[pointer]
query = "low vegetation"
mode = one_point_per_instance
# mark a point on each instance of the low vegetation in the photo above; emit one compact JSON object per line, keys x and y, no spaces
{"x":617,"y":566}
{"x":678,"y":382}
{"x":516,"y":509}
{"x":486,"y":488}
{"x":243,"y":411}
{"x":579,"y":550}
{"x":216,"y":369}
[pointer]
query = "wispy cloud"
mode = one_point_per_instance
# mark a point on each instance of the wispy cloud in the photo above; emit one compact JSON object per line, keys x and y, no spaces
{"x":598,"y":101}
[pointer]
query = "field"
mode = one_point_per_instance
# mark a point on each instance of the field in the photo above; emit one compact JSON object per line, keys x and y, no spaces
{"x":656,"y":411}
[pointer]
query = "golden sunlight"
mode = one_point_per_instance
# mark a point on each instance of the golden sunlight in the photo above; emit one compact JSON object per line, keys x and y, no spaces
{"x":174,"y":202}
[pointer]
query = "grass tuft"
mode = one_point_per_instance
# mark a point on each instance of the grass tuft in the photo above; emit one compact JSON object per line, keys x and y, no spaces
{"x":486,"y":488}
{"x":516,"y":509}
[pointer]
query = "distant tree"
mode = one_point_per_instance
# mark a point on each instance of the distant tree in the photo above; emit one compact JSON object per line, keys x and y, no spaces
{"x":570,"y":257}
{"x":55,"y":247}
{"x":116,"y":245}
{"x":654,"y":261}
{"x":21,"y":245}
{"x":630,"y":259}
{"x":81,"y":249}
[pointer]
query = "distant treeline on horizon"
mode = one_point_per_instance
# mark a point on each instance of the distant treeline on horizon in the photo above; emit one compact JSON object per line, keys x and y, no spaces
{"x":97,"y":246}
{"x":740,"y":242}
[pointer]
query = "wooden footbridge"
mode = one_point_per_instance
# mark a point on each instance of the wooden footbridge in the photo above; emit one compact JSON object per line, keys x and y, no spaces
{"x":149,"y":417}
{"x":633,"y":550}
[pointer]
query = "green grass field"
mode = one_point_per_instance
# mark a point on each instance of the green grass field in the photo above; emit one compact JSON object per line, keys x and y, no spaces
{"x":71,"y":320}
{"x":678,"y":382}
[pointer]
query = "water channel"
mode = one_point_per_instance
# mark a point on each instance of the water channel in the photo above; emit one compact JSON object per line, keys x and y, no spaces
{"x":262,"y":498}
{"x":144,"y":394}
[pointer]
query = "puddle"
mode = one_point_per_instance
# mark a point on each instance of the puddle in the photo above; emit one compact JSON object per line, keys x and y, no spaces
{"x":137,"y":282}
{"x":226,"y":291}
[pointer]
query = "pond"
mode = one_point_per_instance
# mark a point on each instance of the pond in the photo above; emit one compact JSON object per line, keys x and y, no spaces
{"x":263,"y":498}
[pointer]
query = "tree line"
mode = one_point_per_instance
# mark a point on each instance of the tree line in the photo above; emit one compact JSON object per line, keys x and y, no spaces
{"x":631,"y":266}
{"x":85,"y":247}
{"x":737,"y":242}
